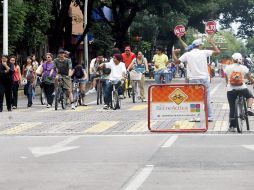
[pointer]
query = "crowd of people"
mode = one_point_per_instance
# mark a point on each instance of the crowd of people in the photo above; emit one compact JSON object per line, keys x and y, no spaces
{"x":192,"y":65}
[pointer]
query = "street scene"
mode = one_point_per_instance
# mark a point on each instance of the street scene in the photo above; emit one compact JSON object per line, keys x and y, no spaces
{"x":126,"y":95}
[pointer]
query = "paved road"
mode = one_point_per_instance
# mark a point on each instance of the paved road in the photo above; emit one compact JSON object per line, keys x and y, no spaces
{"x":92,"y":149}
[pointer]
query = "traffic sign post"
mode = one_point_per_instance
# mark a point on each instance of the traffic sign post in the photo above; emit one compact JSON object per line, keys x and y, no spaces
{"x":179,"y":30}
{"x":210,"y":27}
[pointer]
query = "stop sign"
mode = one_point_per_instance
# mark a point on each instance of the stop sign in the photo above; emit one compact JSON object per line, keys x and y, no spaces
{"x":210,"y":27}
{"x":179,"y":30}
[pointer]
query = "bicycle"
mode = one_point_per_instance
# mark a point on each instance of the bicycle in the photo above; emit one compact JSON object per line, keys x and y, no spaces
{"x":115,"y":100}
{"x":241,"y":114}
{"x":60,"y":96}
{"x":127,"y":85}
{"x":76,"y":94}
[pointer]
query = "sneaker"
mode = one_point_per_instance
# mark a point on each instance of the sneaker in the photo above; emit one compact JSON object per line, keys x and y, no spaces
{"x":49,"y":106}
{"x":197,"y":119}
{"x":92,"y":90}
{"x":14,"y":107}
{"x":210,"y":119}
{"x":105,"y":107}
{"x":121,"y":97}
{"x":130,"y":86}
{"x":250,"y":112}
{"x":72,"y":106}
{"x":87,"y":93}
{"x":231,"y":129}
{"x":144,"y":100}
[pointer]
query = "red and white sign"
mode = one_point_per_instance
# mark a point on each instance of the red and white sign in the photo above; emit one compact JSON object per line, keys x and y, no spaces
{"x":179,"y":30}
{"x":210,"y":27}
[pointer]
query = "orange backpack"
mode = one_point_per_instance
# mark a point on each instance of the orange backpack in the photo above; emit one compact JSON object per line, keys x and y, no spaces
{"x":236,"y":79}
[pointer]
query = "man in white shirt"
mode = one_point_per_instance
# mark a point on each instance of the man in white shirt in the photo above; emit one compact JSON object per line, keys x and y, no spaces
{"x":196,"y":60}
{"x":118,"y":72}
{"x":236,"y":86}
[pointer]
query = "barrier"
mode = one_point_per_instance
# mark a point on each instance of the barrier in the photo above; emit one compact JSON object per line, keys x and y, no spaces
{"x":173,"y":107}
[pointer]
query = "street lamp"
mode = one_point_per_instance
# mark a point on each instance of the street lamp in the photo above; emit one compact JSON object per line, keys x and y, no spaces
{"x":5,"y":27}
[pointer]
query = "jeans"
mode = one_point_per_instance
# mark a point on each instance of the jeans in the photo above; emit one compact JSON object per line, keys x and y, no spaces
{"x":207,"y":85}
{"x":108,"y":91}
{"x":159,"y":73}
{"x":28,"y":89}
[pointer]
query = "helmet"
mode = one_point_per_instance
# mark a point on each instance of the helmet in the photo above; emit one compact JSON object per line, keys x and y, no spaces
{"x":237,"y":57}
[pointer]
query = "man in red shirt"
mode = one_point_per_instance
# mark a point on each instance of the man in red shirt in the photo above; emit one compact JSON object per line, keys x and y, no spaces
{"x":128,"y":56}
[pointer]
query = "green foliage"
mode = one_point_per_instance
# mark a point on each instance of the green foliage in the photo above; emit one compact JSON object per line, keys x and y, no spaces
{"x":37,"y":22}
{"x":250,"y":45}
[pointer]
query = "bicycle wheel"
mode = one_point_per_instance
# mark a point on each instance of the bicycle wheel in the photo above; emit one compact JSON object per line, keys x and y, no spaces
{"x":43,"y":97}
{"x":80,"y":99}
{"x":115,"y":100}
{"x":56,"y":99}
{"x":133,"y":93}
{"x":98,"y":92}
{"x":239,"y":115}
{"x":246,"y":116}
{"x":63,"y":99}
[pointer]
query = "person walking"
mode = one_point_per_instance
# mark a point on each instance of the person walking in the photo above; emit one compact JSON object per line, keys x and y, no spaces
{"x":47,"y":80}
{"x":29,"y":80}
{"x":16,"y":81}
{"x":197,"y":72}
{"x":6,"y":80}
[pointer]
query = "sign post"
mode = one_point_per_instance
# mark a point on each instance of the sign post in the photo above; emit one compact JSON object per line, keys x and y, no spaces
{"x":179,"y":30}
{"x":210,"y":27}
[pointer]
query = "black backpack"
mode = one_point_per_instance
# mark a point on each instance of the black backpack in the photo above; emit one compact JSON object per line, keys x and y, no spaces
{"x":79,"y":73}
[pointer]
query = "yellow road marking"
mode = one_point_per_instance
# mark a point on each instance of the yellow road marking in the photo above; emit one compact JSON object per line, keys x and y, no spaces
{"x":141,"y":126}
{"x":225,"y":106}
{"x":20,"y":128}
{"x":101,"y":127}
{"x":138,"y":107}
{"x":79,"y":109}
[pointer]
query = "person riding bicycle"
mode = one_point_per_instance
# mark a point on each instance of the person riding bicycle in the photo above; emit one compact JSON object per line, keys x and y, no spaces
{"x":117,"y":73}
{"x":80,"y":76}
{"x":94,"y":74}
{"x":63,"y":67}
{"x":160,"y":61}
{"x":235,"y":74}
{"x":139,"y":64}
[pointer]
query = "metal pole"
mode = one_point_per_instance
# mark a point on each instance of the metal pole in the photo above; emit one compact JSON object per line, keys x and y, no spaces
{"x":5,"y":27}
{"x":85,"y":38}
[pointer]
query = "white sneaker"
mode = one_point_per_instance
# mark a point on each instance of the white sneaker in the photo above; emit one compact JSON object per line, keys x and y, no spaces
{"x":49,"y":106}
{"x":92,"y":90}
{"x":72,"y":106}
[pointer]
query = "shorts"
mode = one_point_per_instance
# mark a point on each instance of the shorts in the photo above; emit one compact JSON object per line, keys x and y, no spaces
{"x":66,"y":83}
{"x":93,"y":76}
{"x":81,"y":81}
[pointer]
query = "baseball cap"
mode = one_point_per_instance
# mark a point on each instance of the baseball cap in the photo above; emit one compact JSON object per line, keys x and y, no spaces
{"x":237,"y":57}
{"x":197,"y":42}
{"x":61,"y":51}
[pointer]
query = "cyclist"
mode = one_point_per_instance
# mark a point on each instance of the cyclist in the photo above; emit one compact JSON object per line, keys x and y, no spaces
{"x":63,"y":67}
{"x":128,"y":56}
{"x":160,"y":61}
{"x":237,"y":69}
{"x":94,"y":74}
{"x":79,"y":75}
{"x":118,"y":71}
{"x":139,"y":64}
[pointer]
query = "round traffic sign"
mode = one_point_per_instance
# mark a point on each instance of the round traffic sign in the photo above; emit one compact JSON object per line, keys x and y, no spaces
{"x":210,"y":27}
{"x":179,"y":30}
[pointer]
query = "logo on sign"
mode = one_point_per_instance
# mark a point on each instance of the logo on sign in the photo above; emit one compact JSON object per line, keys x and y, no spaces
{"x":210,"y":27}
{"x":179,"y":30}
{"x":178,"y":96}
